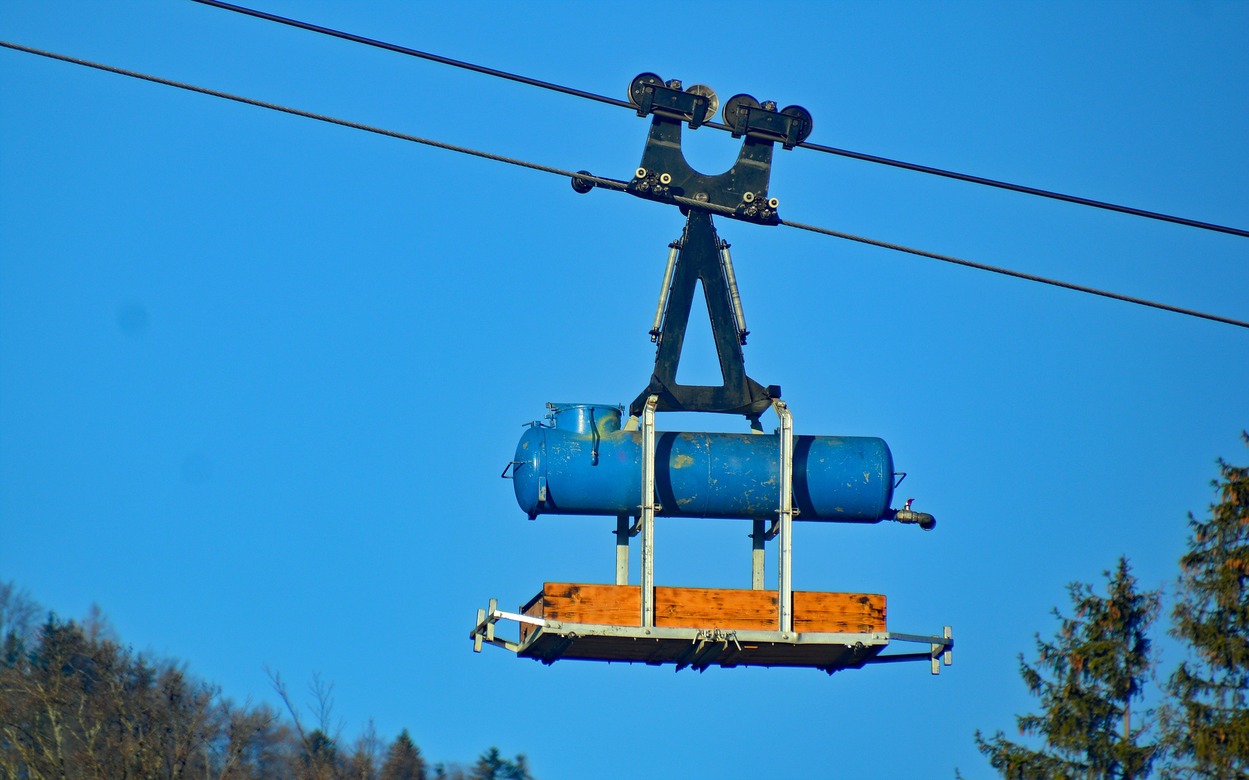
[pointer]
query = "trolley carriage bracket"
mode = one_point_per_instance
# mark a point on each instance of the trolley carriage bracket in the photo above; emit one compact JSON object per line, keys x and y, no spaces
{"x":664,"y":174}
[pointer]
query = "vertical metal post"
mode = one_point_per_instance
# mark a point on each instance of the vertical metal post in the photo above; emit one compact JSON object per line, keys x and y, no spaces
{"x":756,"y":556}
{"x":786,"y":516}
{"x":648,"y":511}
{"x":622,"y":550}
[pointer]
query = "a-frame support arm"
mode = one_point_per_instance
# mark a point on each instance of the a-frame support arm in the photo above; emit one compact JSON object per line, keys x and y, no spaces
{"x":701,"y":258}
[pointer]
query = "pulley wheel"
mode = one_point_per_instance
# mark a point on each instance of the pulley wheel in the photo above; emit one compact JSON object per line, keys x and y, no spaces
{"x":804,"y":116}
{"x":735,"y":109}
{"x":582,"y":185}
{"x":637,"y":87}
{"x":713,"y":101}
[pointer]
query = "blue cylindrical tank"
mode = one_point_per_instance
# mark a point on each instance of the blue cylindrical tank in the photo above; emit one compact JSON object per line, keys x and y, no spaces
{"x":583,"y":463}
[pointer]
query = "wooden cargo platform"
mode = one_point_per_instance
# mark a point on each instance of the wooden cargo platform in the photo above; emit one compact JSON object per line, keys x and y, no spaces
{"x":702,"y":627}
{"x":707,"y":608}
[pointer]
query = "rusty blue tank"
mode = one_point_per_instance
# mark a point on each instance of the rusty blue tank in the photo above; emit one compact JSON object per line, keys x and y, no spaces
{"x":581,"y":462}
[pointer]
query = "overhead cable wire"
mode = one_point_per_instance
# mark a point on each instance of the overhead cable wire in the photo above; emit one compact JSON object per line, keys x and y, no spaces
{"x":394,"y":47}
{"x":607,"y":183}
{"x":1014,"y":274}
{"x":871,"y":158}
{"x":611,"y":184}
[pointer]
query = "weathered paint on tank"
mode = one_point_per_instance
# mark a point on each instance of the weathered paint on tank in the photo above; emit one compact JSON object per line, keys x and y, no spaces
{"x":583,"y":463}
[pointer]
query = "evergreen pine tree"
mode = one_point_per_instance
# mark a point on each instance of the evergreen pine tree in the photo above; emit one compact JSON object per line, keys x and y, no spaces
{"x":519,"y":769}
{"x":1086,"y":678}
{"x":489,"y":766}
{"x":1207,"y":720}
{"x":403,"y":760}
{"x":320,"y":756}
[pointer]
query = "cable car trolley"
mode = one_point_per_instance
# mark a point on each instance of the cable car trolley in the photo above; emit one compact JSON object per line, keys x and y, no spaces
{"x":589,"y":459}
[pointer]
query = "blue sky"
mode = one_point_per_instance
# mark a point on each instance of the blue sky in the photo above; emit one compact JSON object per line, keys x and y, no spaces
{"x":258,"y":375}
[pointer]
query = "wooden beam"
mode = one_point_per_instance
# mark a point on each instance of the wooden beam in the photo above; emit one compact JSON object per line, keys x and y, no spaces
{"x":725,"y":608}
{"x":753,"y":610}
{"x":836,"y":613}
{"x":611,"y":605}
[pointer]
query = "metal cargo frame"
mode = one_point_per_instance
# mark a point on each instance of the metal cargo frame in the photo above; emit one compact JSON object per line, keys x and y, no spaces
{"x":640,"y":640}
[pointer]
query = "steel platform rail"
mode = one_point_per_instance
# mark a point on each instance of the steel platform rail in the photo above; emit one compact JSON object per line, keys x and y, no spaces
{"x":550,"y":640}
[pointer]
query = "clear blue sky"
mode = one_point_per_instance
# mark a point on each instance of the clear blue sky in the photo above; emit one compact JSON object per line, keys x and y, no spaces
{"x":258,"y":375}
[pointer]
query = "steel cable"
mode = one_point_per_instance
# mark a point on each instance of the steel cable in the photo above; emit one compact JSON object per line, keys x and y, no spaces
{"x":871,"y":158}
{"x":610,"y":184}
{"x":394,"y":47}
{"x":1015,"y":274}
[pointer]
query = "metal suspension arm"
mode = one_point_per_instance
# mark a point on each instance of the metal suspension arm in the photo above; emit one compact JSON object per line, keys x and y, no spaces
{"x":700,"y":256}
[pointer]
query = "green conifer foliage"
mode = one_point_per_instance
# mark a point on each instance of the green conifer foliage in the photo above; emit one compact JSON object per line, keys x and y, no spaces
{"x":1087,"y":679}
{"x":1207,"y":722}
{"x":491,"y":765}
{"x":403,"y":760}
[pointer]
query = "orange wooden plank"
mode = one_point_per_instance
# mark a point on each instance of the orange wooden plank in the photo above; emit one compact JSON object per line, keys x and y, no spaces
{"x":621,"y":605}
{"x":612,"y":605}
{"x":715,"y":608}
{"x":838,"y":612}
